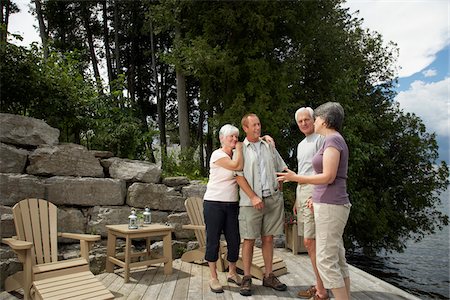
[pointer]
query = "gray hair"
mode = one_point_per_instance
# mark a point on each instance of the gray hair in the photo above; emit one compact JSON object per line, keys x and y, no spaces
{"x":302,"y":109}
{"x":332,"y":113}
{"x":227,"y":130}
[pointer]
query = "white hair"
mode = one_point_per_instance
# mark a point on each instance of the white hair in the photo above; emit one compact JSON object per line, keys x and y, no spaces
{"x":302,"y":109}
{"x":227,"y":130}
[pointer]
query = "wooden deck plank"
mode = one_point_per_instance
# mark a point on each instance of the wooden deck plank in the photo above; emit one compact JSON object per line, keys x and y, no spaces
{"x":195,"y":283}
{"x":182,"y":285}
{"x":191,"y":281}
{"x":155,"y":285}
{"x":143,"y":284}
{"x":127,"y":288}
{"x":170,"y":282}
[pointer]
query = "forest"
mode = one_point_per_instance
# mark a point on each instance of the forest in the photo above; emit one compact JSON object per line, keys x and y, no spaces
{"x":128,"y":76}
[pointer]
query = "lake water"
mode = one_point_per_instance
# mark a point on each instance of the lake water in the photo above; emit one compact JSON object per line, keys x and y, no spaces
{"x":422,"y":269}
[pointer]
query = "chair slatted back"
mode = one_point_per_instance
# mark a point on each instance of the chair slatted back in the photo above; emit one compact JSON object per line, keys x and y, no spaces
{"x":36,"y":222}
{"x":194,"y":208}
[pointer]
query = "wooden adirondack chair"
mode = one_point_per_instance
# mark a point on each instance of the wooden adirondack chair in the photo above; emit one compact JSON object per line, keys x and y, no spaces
{"x":36,"y":245}
{"x":194,"y":208}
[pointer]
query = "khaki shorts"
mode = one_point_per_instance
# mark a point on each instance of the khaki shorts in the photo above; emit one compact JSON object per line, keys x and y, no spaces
{"x":330,"y":252}
{"x":255,"y":223}
{"x":305,"y":217}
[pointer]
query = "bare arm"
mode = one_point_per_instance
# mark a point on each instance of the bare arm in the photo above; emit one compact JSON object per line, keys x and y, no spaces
{"x":243,"y":184}
{"x":235,"y":164}
{"x":331,"y":157}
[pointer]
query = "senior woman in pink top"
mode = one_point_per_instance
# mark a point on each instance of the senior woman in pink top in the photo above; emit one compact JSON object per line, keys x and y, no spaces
{"x":330,"y":200}
{"x":221,"y":206}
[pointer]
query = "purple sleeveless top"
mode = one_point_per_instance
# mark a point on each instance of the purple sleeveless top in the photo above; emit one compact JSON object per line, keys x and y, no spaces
{"x":336,"y":192}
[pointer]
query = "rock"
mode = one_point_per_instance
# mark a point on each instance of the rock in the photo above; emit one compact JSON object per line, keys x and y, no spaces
{"x":85,"y":191}
{"x":26,"y":131}
{"x":155,"y":196}
{"x":177,"y":220}
{"x":12,"y":160}
{"x":178,"y":248}
{"x":8,"y":267}
{"x":106,"y":215}
{"x":16,"y":187}
{"x":102,"y":154}
{"x":64,"y":160}
{"x":195,"y":189}
{"x":175,"y":181}
{"x":71,"y":220}
{"x":7,"y":229}
{"x":132,"y":170}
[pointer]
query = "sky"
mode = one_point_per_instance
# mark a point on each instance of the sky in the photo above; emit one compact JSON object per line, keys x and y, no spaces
{"x":420,"y":28}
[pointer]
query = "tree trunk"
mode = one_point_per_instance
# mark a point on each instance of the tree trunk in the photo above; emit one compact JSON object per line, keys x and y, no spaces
{"x":209,"y":138}
{"x":159,"y":103}
{"x":183,"y":113}
{"x":86,"y":14}
{"x":116,"y":38}
{"x":4,"y":5}
{"x":42,"y":28}
{"x":201,"y":119}
{"x":106,"y":42}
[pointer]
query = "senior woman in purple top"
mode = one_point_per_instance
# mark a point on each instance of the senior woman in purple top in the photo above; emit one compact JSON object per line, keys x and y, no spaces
{"x":331,"y":204}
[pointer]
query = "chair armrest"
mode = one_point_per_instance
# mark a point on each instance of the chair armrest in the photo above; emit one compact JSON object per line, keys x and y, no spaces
{"x":80,"y":236}
{"x":194,"y":227}
{"x":17,"y":244}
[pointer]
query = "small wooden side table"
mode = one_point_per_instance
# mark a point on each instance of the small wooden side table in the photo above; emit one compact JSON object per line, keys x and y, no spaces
{"x":146,"y":232}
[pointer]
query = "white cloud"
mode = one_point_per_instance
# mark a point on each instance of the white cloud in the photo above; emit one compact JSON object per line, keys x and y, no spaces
{"x":420,"y":28}
{"x":430,"y":101}
{"x":429,"y":73}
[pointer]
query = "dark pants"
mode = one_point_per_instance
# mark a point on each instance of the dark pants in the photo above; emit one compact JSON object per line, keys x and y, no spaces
{"x":221,"y":217}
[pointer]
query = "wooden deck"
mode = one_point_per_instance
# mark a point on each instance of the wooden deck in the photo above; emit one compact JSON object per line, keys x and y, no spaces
{"x":190,"y":281}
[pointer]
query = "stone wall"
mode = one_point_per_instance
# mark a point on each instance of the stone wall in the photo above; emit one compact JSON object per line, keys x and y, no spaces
{"x":90,"y":188}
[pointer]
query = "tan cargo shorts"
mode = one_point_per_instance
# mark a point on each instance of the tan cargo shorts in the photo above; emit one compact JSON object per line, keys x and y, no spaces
{"x":305,"y":217}
{"x":255,"y":223}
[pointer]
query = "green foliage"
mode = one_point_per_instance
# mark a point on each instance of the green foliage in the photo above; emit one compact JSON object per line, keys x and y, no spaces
{"x":183,"y":163}
{"x":54,"y":90}
{"x":266,"y":57}
{"x":271,"y":57}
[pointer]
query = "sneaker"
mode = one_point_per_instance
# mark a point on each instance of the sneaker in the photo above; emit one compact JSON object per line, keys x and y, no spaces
{"x":273,"y":282}
{"x":246,"y":286}
{"x":235,"y":278}
{"x":306,"y":294}
{"x":215,"y":286}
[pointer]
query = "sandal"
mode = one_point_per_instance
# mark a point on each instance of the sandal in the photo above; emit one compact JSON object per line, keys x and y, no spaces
{"x":306,"y":294}
{"x":317,"y":297}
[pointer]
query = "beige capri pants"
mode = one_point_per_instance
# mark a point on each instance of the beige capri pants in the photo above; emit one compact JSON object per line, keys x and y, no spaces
{"x":330,"y":252}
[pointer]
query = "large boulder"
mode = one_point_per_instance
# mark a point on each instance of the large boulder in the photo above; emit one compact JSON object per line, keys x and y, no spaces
{"x":85,"y":191}
{"x":6,"y":222}
{"x":132,"y":170}
{"x":64,"y":160}
{"x":176,"y":181}
{"x":177,"y":220}
{"x":195,"y":189}
{"x":26,"y":131}
{"x":155,"y":196}
{"x":71,"y":220}
{"x":16,"y":187}
{"x":113,"y":215}
{"x":12,"y":159}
